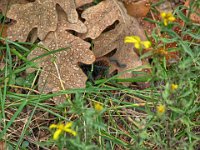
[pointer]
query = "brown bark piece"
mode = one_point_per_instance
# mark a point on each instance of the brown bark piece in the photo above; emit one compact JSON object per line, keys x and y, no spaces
{"x":61,"y":70}
{"x":125,"y":57}
{"x":39,"y":14}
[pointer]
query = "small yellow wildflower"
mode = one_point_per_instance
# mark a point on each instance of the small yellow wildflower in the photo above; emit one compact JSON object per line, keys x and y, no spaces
{"x":174,"y":87}
{"x":98,"y":107}
{"x":137,"y":42}
{"x":160,"y":109}
{"x":62,"y":128}
{"x":167,"y":17}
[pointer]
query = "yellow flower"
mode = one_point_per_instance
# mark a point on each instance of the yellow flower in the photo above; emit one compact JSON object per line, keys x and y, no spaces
{"x":98,"y":107}
{"x":160,"y":109}
{"x":174,"y":87}
{"x":137,"y":42}
{"x":62,"y":128}
{"x":167,"y":17}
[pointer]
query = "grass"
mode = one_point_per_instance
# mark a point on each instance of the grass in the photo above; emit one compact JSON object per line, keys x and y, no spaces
{"x":129,"y":119}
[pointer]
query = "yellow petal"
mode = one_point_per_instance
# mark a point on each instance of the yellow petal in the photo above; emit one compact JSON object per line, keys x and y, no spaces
{"x":165,"y":22}
{"x":163,"y":14}
{"x":131,"y":39}
{"x":146,"y":44}
{"x":137,"y":45}
{"x":57,"y":134}
{"x":172,"y":18}
{"x":137,"y":38}
{"x":53,"y":126}
{"x":70,"y":131}
{"x":68,"y":125}
{"x":169,"y":14}
{"x":160,"y":109}
{"x":174,"y":87}
{"x":98,"y":107}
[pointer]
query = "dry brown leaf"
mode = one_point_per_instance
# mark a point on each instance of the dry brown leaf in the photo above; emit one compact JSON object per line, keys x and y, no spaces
{"x":2,"y":145}
{"x":99,"y":17}
{"x":2,"y":65}
{"x":3,"y":30}
{"x":5,"y":4}
{"x":61,"y":70}
{"x":39,"y":14}
{"x":193,"y":16}
{"x":125,"y":57}
{"x":138,"y":9}
{"x":165,"y":6}
{"x":80,"y":3}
